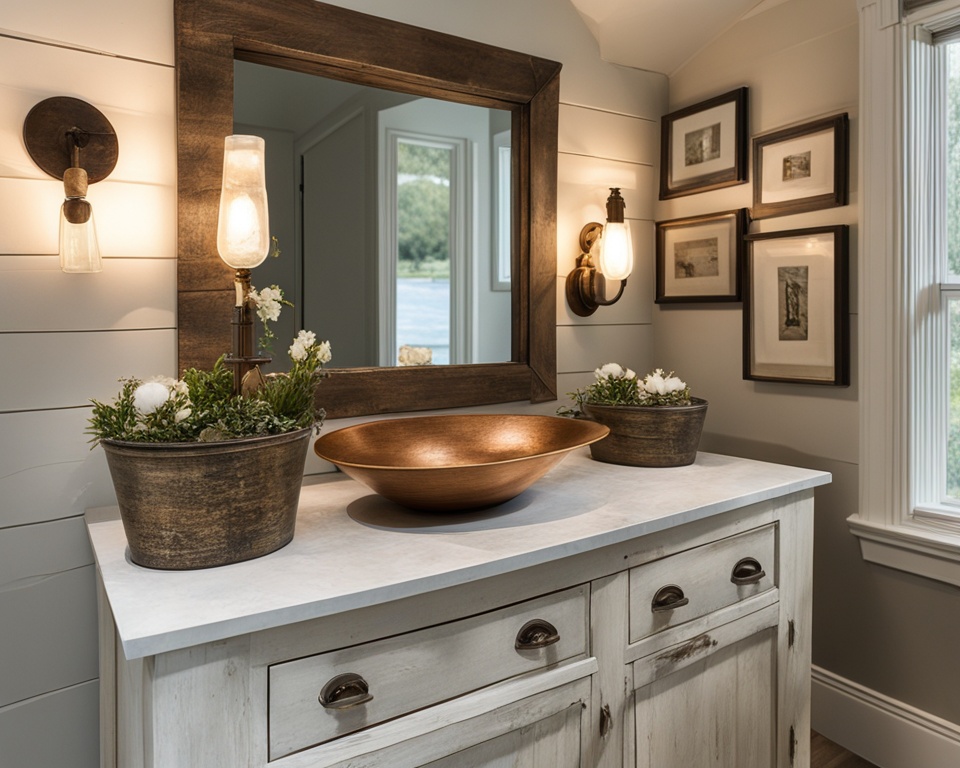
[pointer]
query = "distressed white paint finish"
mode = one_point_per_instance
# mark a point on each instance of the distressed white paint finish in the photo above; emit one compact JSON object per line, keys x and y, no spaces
{"x":719,"y":710}
{"x":209,"y":704}
{"x":129,"y":293}
{"x":56,"y":729}
{"x":582,"y":505}
{"x":72,"y":368}
{"x":138,"y":99}
{"x":141,"y":29}
{"x":608,"y":135}
{"x":49,"y":470}
{"x":587,"y":347}
{"x":412,"y":671}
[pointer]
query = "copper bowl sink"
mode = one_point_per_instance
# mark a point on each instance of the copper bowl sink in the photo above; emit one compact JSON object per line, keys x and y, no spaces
{"x":455,"y":462}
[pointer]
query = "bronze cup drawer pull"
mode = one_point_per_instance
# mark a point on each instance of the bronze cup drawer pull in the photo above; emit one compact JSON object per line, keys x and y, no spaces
{"x":345,"y":691}
{"x":536,"y":634}
{"x":668,"y":598}
{"x":747,"y":571}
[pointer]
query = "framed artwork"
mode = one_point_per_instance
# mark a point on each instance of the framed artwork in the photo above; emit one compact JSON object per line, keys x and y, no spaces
{"x":795,"y":313}
{"x":800,"y":169}
{"x":704,"y":146}
{"x":699,"y":258}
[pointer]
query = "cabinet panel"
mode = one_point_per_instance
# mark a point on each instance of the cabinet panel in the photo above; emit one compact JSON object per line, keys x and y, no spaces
{"x":407,"y":672}
{"x":717,"y":712}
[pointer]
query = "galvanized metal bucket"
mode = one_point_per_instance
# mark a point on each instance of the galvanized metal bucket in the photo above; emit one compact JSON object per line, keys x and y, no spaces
{"x":200,"y":505}
{"x":649,"y":436}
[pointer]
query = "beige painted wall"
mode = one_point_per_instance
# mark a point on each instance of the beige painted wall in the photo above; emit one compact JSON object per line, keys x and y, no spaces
{"x":68,"y":338}
{"x":892,"y":632}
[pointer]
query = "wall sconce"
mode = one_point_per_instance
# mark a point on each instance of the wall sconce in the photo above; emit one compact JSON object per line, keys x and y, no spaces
{"x":72,"y":140}
{"x":243,"y":241}
{"x":586,"y":284}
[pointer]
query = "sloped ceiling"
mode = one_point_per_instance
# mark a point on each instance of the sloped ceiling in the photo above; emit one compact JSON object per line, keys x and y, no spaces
{"x":660,"y":35}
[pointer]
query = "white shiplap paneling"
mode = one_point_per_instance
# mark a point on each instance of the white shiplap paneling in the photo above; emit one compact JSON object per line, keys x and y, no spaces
{"x":607,"y":135}
{"x":64,"y":370}
{"x":56,"y":730}
{"x":129,"y":293}
{"x":586,"y":347}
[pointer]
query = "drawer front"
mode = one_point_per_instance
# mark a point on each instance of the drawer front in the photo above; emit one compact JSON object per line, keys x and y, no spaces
{"x":367,"y":684}
{"x":691,"y":584}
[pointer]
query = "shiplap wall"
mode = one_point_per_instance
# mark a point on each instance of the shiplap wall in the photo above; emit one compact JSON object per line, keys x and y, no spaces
{"x":65,"y":339}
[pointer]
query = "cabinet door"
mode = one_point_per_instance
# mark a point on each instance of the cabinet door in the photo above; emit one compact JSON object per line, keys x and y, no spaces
{"x":710,"y":702}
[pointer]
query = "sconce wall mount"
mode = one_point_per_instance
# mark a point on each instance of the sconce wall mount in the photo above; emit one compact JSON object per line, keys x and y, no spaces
{"x":586,"y":283}
{"x":72,"y":140}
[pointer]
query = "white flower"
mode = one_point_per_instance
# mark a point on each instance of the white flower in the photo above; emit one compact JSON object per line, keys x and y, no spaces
{"x":653,"y":383}
{"x":302,"y":345}
{"x":149,"y":396}
{"x":609,"y":369}
{"x":324,"y":355}
{"x":673,"y":384}
{"x":269,"y":303}
{"x":181,"y":415}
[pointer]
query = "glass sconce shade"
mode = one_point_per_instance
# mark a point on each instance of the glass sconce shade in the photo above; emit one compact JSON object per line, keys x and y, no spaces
{"x":243,"y":229}
{"x":616,"y":251}
{"x":79,"y":249}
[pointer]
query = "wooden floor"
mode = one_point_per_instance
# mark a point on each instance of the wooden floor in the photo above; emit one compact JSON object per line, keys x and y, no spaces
{"x":825,"y":754}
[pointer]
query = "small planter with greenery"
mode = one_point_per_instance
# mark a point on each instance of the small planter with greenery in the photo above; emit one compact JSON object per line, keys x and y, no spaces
{"x":205,"y":477}
{"x":654,"y":421}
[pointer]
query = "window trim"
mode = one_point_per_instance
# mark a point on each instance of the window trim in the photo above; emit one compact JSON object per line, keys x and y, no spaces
{"x":896,"y":471}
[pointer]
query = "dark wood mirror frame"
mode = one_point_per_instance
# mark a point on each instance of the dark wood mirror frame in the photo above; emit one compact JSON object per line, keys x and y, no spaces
{"x":308,"y":36}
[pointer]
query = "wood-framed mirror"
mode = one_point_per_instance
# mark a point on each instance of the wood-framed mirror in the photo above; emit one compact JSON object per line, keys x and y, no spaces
{"x":312,"y":37}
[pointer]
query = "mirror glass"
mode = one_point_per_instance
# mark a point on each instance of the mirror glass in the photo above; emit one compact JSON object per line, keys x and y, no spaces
{"x":392,"y":212}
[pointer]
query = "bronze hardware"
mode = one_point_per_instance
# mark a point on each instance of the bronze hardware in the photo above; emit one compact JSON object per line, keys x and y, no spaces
{"x":668,"y":598}
{"x":536,"y":634}
{"x":345,"y":691}
{"x":747,"y":571}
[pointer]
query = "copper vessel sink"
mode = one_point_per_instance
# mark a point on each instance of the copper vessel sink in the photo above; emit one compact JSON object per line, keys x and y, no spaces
{"x":455,"y":462}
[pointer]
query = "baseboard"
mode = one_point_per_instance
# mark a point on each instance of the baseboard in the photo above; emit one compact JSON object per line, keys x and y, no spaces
{"x":880,"y":729}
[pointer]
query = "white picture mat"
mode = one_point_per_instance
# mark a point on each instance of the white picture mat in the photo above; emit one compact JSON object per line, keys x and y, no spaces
{"x":820,"y":181}
{"x":726,"y":115}
{"x":813,"y":358}
{"x":724,"y":283}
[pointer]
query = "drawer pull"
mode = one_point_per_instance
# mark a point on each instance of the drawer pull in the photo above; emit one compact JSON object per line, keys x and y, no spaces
{"x":345,"y":691}
{"x":536,"y":634}
{"x":747,"y":571}
{"x":668,"y":598}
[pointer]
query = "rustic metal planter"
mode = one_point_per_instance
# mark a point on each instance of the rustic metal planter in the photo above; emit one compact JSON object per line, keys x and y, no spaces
{"x":200,"y":505}
{"x":652,"y":436}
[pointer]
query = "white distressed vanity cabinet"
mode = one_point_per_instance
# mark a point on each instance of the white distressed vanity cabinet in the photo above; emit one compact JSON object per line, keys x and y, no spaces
{"x":609,"y":616}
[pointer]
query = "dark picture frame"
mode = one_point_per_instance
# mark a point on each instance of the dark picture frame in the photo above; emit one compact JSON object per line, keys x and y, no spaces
{"x":796,"y":319}
{"x":699,"y":258}
{"x":801,"y":168}
{"x":705,"y":146}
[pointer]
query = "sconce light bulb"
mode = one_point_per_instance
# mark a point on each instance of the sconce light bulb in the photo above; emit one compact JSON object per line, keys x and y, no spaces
{"x":616,"y":251}
{"x":243,"y":230}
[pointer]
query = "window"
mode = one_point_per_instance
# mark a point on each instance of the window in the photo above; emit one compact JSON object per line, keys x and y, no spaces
{"x":909,"y":516}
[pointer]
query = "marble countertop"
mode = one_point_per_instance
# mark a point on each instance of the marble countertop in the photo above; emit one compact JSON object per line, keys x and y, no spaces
{"x":343,"y":527}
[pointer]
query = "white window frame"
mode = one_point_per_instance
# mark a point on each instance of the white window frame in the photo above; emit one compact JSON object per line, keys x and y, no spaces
{"x":902,"y":522}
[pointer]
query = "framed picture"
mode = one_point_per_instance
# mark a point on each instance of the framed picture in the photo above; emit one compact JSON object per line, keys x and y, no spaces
{"x":795,"y":313}
{"x":803,"y":168}
{"x":705,"y":146}
{"x":699,"y":258}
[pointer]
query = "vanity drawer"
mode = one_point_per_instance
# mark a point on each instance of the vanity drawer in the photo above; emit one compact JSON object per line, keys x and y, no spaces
{"x":367,"y":684}
{"x":691,"y":584}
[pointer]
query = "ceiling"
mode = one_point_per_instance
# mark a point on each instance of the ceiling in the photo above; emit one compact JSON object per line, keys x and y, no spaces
{"x":661,"y":35}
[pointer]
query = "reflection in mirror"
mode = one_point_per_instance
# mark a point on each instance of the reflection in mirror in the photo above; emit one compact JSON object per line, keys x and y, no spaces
{"x":393,"y":212}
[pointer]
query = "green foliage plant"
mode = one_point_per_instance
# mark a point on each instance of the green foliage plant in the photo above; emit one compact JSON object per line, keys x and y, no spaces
{"x":201,"y":406}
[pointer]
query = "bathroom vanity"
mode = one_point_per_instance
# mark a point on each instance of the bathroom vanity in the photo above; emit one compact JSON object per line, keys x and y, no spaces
{"x":608,"y":616}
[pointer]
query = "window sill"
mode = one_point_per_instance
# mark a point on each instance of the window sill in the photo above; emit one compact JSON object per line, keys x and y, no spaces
{"x":932,"y":554}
